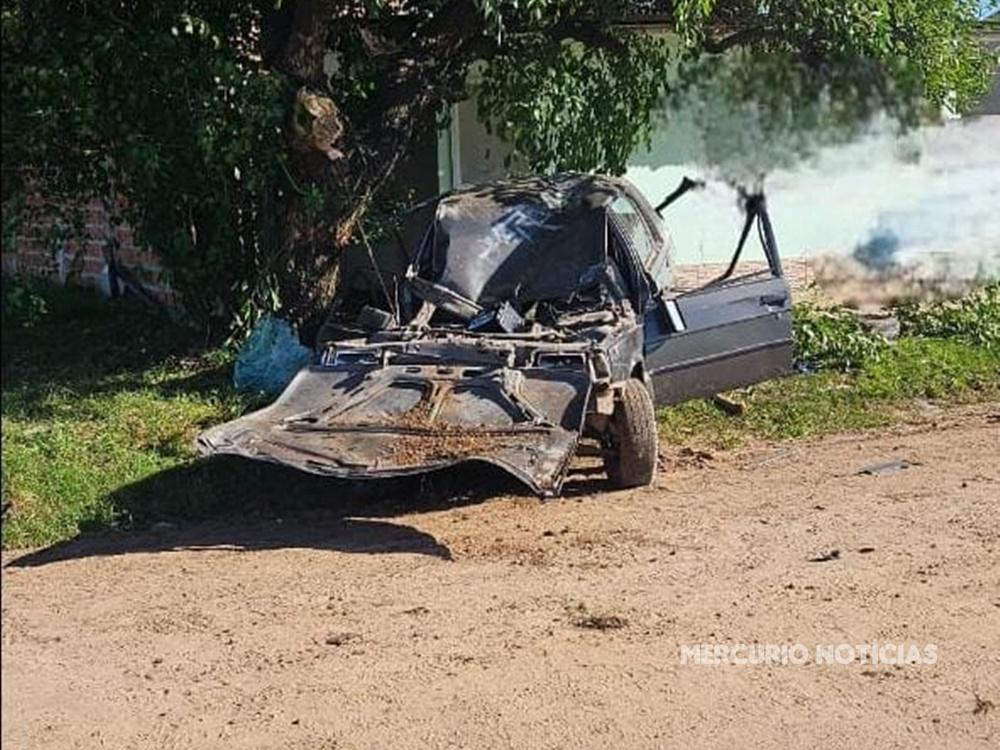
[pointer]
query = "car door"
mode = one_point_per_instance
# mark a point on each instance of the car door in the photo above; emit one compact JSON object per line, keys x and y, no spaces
{"x":733,"y":332}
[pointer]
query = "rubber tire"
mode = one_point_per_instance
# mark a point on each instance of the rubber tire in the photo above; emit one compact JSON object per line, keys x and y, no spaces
{"x":631,"y":460}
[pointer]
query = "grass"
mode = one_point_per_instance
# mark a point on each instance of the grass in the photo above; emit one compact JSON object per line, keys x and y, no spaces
{"x":881,"y":393}
{"x":950,"y":352}
{"x":97,"y":397}
{"x":101,"y":402}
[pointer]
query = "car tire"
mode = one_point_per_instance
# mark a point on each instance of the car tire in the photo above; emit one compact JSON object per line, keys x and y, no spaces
{"x":630,"y":457}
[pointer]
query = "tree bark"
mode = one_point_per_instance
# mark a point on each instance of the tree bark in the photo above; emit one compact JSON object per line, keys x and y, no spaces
{"x":350,"y":164}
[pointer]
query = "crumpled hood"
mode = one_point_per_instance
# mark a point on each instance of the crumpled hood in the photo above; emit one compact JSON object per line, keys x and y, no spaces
{"x":364,"y":422}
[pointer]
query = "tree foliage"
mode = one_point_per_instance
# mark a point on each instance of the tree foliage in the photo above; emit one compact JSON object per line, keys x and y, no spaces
{"x":250,"y":141}
{"x":165,"y":106}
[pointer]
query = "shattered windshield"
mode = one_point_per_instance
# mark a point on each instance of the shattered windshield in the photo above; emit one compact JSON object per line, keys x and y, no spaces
{"x":520,"y":241}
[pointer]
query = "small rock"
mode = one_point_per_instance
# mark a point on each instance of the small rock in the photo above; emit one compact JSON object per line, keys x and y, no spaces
{"x":888,"y":467}
{"x":339,"y":639}
{"x":833,"y":554}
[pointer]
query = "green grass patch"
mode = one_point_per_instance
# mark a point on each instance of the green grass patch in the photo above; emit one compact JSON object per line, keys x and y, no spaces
{"x":949,"y":352}
{"x":101,"y":403}
{"x":881,"y":391}
{"x":99,"y":397}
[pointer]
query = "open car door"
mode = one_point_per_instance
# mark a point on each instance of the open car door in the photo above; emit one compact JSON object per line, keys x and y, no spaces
{"x":730,"y":333}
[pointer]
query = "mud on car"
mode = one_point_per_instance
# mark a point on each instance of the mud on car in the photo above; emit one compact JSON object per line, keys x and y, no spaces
{"x":528,"y":318}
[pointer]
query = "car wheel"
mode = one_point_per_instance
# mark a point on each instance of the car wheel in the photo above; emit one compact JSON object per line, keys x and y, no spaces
{"x":630,"y":457}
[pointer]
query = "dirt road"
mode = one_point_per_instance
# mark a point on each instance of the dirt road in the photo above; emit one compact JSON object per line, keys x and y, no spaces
{"x":507,"y":622}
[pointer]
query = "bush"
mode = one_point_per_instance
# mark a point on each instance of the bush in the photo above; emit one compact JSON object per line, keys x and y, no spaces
{"x":23,"y":305}
{"x":974,"y":318}
{"x":833,"y":339}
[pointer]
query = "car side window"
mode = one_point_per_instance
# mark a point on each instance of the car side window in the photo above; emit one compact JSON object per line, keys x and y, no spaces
{"x":630,"y":221}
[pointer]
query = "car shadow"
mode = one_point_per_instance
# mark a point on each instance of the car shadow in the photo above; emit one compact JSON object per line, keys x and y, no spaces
{"x":321,"y":531}
{"x":233,"y":503}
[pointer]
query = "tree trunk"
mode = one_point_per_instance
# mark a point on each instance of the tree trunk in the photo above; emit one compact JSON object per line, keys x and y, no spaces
{"x":350,"y":164}
{"x":315,"y":131}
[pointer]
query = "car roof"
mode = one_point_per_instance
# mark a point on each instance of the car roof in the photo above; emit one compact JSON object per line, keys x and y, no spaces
{"x":575,"y":189}
{"x":530,"y":238}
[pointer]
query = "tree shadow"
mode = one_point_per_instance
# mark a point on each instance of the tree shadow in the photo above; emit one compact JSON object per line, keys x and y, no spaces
{"x":88,"y":347}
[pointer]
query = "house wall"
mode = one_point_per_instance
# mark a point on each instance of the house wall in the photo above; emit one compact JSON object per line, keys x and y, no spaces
{"x":930,"y":192}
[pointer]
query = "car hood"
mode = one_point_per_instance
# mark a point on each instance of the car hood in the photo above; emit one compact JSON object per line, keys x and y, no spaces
{"x":383,"y":421}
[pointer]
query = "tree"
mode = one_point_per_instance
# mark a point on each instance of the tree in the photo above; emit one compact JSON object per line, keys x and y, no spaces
{"x":254,"y":142}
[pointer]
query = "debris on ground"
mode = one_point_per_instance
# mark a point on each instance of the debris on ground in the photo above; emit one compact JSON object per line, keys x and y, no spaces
{"x":883,"y":323}
{"x":885,"y":468}
{"x":600,"y":622}
{"x":833,"y":554}
{"x":581,"y":617}
{"x":693,"y":457}
{"x":982,"y":706}
{"x":730,"y":406}
{"x":341,"y":639}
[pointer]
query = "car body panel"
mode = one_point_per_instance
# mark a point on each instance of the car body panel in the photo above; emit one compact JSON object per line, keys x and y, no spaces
{"x":362,"y":421}
{"x":729,"y":336}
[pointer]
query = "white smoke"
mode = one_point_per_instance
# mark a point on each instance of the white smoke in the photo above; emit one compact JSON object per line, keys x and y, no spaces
{"x":947,"y":204}
{"x":932,"y":193}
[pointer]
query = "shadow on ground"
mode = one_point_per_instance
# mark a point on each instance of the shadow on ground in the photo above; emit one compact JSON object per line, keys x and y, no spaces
{"x":281,"y":508}
{"x":232,"y":503}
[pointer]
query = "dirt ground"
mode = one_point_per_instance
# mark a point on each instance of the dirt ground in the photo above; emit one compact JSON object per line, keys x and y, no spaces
{"x":508,"y":622}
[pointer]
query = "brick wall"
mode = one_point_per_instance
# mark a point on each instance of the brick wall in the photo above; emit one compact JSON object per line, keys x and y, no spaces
{"x":49,"y":246}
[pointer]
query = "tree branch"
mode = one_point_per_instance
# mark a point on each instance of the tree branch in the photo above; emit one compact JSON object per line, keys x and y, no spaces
{"x":740,"y":38}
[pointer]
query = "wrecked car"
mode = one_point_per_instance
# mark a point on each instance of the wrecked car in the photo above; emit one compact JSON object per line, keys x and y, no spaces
{"x":533,"y":317}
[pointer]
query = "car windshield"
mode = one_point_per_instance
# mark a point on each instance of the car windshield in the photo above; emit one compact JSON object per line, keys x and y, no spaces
{"x":518,"y":241}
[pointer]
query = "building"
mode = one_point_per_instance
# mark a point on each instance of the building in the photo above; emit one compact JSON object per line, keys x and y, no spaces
{"x":990,"y":32}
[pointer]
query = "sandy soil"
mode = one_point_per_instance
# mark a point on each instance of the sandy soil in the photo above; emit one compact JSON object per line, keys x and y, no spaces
{"x":507,"y":622}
